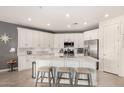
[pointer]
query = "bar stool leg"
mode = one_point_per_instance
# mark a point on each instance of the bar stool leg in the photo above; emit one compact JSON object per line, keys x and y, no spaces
{"x":57,"y":79}
{"x":42,"y":76}
{"x":88,"y":76}
{"x":49,"y":79}
{"x":37,"y":78}
{"x":53,"y":77}
{"x":70,"y":77}
{"x":76,"y":79}
{"x":91,"y":84}
{"x":60,"y":75}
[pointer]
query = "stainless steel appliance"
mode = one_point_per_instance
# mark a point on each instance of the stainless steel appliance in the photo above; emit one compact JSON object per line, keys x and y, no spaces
{"x":68,"y":44}
{"x":91,"y":48}
{"x":80,"y":50}
{"x":68,"y":49}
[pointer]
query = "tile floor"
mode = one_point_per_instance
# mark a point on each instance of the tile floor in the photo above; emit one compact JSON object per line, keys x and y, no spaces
{"x":23,"y":79}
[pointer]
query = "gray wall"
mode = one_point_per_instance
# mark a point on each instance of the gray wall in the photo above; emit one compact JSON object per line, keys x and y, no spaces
{"x":11,"y":30}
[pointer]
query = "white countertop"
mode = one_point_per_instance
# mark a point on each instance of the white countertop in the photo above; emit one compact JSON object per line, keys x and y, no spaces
{"x":80,"y":58}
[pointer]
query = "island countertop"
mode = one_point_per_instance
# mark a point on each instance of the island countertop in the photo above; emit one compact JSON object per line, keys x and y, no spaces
{"x":76,"y":58}
{"x":82,"y":61}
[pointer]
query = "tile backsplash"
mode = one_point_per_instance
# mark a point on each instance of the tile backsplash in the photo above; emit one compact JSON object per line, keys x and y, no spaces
{"x":34,"y":51}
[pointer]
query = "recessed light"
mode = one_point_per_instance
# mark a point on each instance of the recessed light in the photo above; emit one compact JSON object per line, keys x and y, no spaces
{"x":85,"y":23}
{"x":106,"y":15}
{"x":67,"y":15}
{"x":75,"y":23}
{"x":40,"y":6}
{"x":48,"y":24}
{"x":29,"y":19}
{"x":68,"y":26}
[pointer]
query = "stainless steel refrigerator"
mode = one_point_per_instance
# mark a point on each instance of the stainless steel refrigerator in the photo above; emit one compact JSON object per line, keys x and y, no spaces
{"x":91,"y":48}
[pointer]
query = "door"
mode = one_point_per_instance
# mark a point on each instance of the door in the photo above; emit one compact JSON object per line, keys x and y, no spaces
{"x":111,"y":43}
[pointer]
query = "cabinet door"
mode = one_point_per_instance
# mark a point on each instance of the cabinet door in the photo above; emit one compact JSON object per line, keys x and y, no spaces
{"x":21,"y":38}
{"x":66,"y":38}
{"x":56,"y":41}
{"x":28,"y":38}
{"x":61,"y":40}
{"x":76,"y":42}
{"x":94,"y":34}
{"x":41,"y":40}
{"x":86,"y":35}
{"x":80,"y":40}
{"x":28,"y":62}
{"x":51,"y":41}
{"x":21,"y":63}
{"x":111,"y":43}
{"x":46,"y":40}
{"x":35,"y":39}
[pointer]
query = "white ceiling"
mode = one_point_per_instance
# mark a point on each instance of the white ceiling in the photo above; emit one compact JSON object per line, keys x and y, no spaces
{"x":56,"y":16}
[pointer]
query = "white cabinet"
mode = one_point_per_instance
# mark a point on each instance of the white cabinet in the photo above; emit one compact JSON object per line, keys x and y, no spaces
{"x":24,"y":62}
{"x":77,"y":38}
{"x":21,"y":60}
{"x":21,"y":38}
{"x":92,"y":34}
{"x":41,"y":40}
{"x":86,"y":35}
{"x":46,"y":40}
{"x":56,"y":41}
{"x":59,"y":40}
{"x":36,"y":39}
{"x":66,"y":37}
{"x":28,"y":38}
{"x":25,"y":38}
{"x":51,"y":41}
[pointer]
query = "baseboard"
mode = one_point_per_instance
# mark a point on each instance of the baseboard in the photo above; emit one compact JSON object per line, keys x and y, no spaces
{"x":4,"y":70}
{"x":7,"y":69}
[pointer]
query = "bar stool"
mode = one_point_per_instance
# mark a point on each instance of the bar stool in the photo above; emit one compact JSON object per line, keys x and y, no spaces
{"x":83,"y":71}
{"x":43,"y":71}
{"x":63,"y":71}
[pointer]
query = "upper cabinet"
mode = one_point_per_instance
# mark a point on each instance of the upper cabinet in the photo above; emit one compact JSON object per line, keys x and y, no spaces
{"x":92,"y":34}
{"x":28,"y":38}
{"x":34,"y":39}
{"x":24,"y":38}
{"x":77,"y":38}
{"x":59,"y":40}
{"x":49,"y":40}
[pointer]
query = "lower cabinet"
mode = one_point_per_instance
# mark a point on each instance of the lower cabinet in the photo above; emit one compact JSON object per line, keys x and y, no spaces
{"x":24,"y":62}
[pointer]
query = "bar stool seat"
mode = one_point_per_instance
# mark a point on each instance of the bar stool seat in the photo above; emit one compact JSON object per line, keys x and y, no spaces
{"x":44,"y":69}
{"x":41,"y":74}
{"x":63,"y":71}
{"x":83,"y":71}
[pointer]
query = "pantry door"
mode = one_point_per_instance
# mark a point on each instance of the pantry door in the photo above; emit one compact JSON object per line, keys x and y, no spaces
{"x":111,"y":43}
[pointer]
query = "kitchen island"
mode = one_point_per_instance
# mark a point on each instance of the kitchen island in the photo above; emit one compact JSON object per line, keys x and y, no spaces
{"x":82,"y":61}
